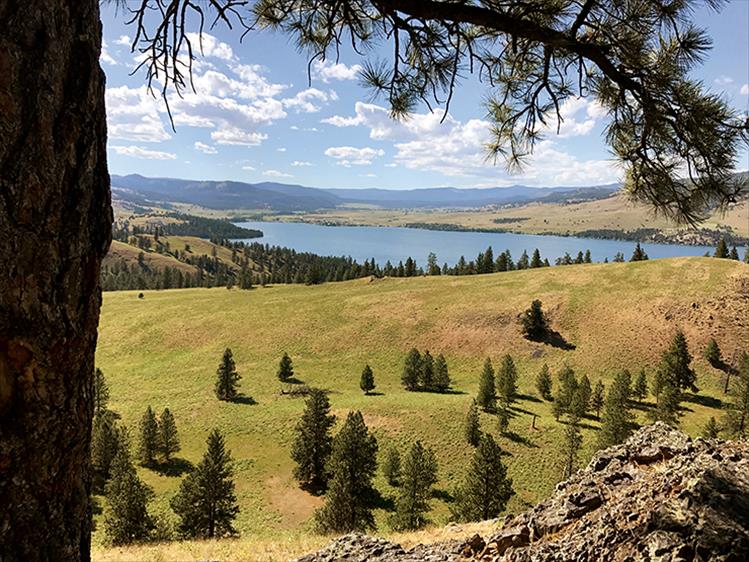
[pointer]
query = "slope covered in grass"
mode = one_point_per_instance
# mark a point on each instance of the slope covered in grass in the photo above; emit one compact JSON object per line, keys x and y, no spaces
{"x":163,"y":350}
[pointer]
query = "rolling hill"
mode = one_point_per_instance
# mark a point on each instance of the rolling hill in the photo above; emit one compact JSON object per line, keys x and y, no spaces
{"x":163,"y":351}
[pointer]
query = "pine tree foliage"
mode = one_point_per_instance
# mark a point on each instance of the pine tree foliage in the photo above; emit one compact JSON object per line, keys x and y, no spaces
{"x":639,"y":254}
{"x":441,"y":374}
{"x":713,"y":354}
{"x":676,"y":364}
{"x":711,"y":430}
{"x":503,"y":419}
{"x":285,"y":368}
{"x":667,"y":406}
{"x":352,"y":465}
{"x":534,"y":323}
{"x":418,"y":476}
{"x":571,"y":445}
{"x":472,"y":429}
{"x":426,"y":373}
{"x":616,"y":420}
{"x":227,"y":377}
{"x":101,"y":392}
{"x":544,"y":383}
{"x":737,"y":416}
{"x":313,"y":442}
{"x":106,"y":441}
{"x":148,"y":438}
{"x":507,"y":377}
{"x":126,"y":519}
{"x":367,"y":382}
{"x":168,"y":436}
{"x":205,"y":503}
{"x":487,"y":395}
{"x":411,"y":370}
{"x":486,"y":489}
{"x":391,"y":468}
{"x":721,"y":250}
{"x":597,"y":398}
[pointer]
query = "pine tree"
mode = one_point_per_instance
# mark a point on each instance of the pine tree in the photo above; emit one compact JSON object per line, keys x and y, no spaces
{"x":712,"y":353}
{"x":668,"y":403}
{"x":571,"y":444}
{"x":367,"y":383}
{"x":734,"y":255}
{"x":585,"y":394}
{"x":721,"y":251}
{"x":675,"y":364}
{"x":503,"y":420}
{"x":418,"y":476}
{"x":596,"y":400}
{"x":487,"y":396}
{"x":411,"y":370}
{"x":566,"y":390}
{"x":441,"y":374}
{"x":106,"y":441}
{"x":148,"y":441}
{"x":536,"y":259}
{"x":473,"y":425}
{"x":126,"y":519}
{"x":534,"y":323}
{"x":426,"y":373}
{"x":168,"y":436}
{"x":353,"y":462}
{"x":205,"y":503}
{"x":639,"y":254}
{"x":737,"y":417}
{"x":391,"y":468}
{"x":486,"y":488}
{"x":227,"y":377}
{"x":544,"y":383}
{"x":616,"y":418}
{"x":640,"y":390}
{"x":313,"y":442}
{"x":711,"y":429}
{"x":507,"y":376}
{"x":285,"y":368}
{"x":101,"y":392}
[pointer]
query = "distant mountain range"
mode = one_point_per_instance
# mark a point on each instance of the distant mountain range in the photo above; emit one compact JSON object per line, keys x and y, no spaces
{"x":271,"y":196}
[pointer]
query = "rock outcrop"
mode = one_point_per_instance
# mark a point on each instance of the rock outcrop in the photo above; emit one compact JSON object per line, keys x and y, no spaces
{"x":659,"y":496}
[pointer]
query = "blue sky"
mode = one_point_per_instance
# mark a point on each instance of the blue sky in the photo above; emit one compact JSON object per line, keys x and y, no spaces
{"x":256,"y":118}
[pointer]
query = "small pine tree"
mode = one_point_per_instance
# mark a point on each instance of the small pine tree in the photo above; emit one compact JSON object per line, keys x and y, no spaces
{"x":353,"y":462}
{"x":205,"y":503}
{"x":534,"y":323}
{"x":585,"y":393}
{"x":487,"y":397}
{"x":711,"y":429}
{"x":148,"y":441}
{"x":411,"y":370}
{"x":566,"y":391}
{"x":721,"y":250}
{"x":285,"y":368}
{"x":473,"y":425}
{"x":737,"y":416}
{"x":507,"y":376}
{"x":106,"y":440}
{"x":734,"y":255}
{"x":712,"y":353}
{"x":426,"y":373}
{"x":544,"y":383}
{"x":486,"y":488}
{"x":616,"y":419}
{"x":367,"y":383}
{"x":227,"y":377}
{"x":418,"y":477}
{"x":639,"y":254}
{"x":536,"y":259}
{"x":391,"y":468}
{"x":168,"y":436}
{"x":503,"y":420}
{"x":441,"y":374}
{"x":101,"y":392}
{"x":126,"y":519}
{"x":667,"y":404}
{"x":640,"y":390}
{"x":571,"y":444}
{"x":597,"y":398}
{"x":675,"y":364}
{"x":313,"y":442}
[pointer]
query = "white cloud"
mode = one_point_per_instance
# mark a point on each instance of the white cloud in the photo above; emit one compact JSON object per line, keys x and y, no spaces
{"x":123,"y":40}
{"x":328,"y":70}
{"x":282,"y":149}
{"x":139,"y":152}
{"x":745,"y":89}
{"x":723,"y":80}
{"x":104,"y":56}
{"x":307,"y":100}
{"x":248,"y":168}
{"x":276,"y":174}
{"x":234,"y":135}
{"x":300,"y":163}
{"x":351,"y":156}
{"x":205,"y":148}
{"x":133,"y":114}
{"x":207,"y":45}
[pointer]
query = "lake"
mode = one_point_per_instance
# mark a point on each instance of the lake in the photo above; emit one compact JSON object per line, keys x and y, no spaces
{"x":395,"y":244}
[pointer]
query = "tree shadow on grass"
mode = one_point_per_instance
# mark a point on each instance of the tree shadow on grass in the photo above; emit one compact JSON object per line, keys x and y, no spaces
{"x":529,"y":398}
{"x":374,"y":393}
{"x":244,"y":399}
{"x":444,"y":495}
{"x":175,"y":467}
{"x":641,"y":406}
{"x":514,"y":409}
{"x":378,"y":501}
{"x":707,"y":401}
{"x":522,"y":440}
{"x":581,"y":425}
{"x":555,"y":339}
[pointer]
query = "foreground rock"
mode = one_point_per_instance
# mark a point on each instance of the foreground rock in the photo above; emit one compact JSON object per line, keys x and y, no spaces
{"x":659,"y":496}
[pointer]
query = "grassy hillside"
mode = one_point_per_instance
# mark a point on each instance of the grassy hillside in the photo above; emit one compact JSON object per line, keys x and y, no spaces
{"x":163,"y":350}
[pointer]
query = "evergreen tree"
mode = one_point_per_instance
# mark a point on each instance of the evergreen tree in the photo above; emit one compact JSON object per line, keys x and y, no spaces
{"x":148,"y":442}
{"x":587,"y":258}
{"x":544,"y":383}
{"x":571,"y":444}
{"x":507,"y":376}
{"x":721,"y":251}
{"x":535,"y":326}
{"x":668,"y":403}
{"x":227,"y":377}
{"x":441,"y":374}
{"x":486,"y":488}
{"x":205,"y":503}
{"x":737,"y":417}
{"x":503,"y":419}
{"x":566,"y":391}
{"x":639,"y":254}
{"x":411,"y":370}
{"x":734,"y":255}
{"x":675,"y":364}
{"x":487,"y":396}
{"x":711,"y":429}
{"x":640,"y":390}
{"x":712,"y":353}
{"x":285,"y":368}
{"x":106,"y":441}
{"x":391,"y":468}
{"x":367,"y":383}
{"x":597,"y":398}
{"x":473,"y":425}
{"x":418,"y":476}
{"x":616,"y":419}
{"x":168,"y":437}
{"x":426,"y":373}
{"x":536,"y":259}
{"x":353,"y":462}
{"x":313,"y":442}
{"x":101,"y":392}
{"x":585,"y":394}
{"x":126,"y":519}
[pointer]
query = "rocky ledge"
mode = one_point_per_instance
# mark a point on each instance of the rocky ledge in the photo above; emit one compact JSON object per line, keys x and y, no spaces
{"x":659,"y":496}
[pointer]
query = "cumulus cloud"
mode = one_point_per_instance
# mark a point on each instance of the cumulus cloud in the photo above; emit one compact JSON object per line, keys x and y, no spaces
{"x":104,"y":56}
{"x":723,"y":80}
{"x":139,"y":152}
{"x":309,"y":100}
{"x":133,"y":114}
{"x":328,"y":70}
{"x":300,"y":163}
{"x":209,"y":46}
{"x":205,"y":148}
{"x":352,"y":156}
{"x":236,"y":136}
{"x":123,"y":40}
{"x":745,"y":89}
{"x":276,"y":174}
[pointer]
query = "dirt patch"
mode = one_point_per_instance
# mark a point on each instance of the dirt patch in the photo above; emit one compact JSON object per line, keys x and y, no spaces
{"x":374,"y":421}
{"x":295,"y":506}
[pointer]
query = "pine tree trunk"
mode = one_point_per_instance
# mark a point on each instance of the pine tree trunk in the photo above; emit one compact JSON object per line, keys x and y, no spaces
{"x":55,"y":227}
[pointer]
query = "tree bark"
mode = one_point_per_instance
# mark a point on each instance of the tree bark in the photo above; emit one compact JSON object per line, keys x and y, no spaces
{"x":55,"y":227}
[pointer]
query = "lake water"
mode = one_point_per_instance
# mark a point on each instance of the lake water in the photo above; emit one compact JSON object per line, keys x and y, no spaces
{"x":396,"y":244}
